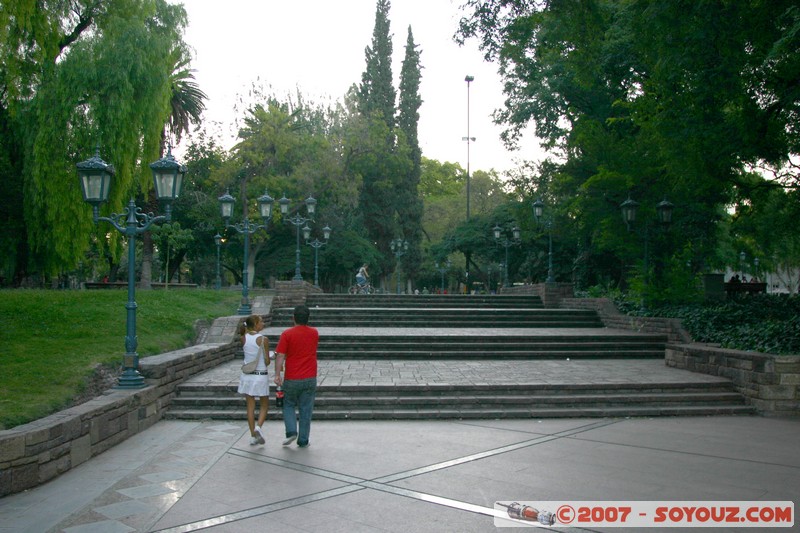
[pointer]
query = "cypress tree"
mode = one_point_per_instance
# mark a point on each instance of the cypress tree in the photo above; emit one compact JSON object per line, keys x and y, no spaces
{"x":409,"y":208}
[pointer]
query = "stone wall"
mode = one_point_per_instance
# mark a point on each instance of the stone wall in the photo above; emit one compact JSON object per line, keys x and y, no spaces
{"x":292,"y":293}
{"x":551,"y":293}
{"x":37,"y":452}
{"x":771,"y":383}
{"x":612,"y":318}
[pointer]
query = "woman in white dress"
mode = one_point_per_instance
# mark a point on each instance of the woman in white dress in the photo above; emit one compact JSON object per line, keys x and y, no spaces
{"x":255,"y":385}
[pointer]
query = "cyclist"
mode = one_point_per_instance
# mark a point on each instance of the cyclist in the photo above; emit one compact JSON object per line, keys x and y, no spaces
{"x":362,"y":276}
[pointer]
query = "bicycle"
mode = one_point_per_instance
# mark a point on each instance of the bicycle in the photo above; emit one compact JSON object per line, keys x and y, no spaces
{"x":361,"y":289}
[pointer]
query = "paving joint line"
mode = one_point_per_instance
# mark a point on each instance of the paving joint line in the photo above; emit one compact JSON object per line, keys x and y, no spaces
{"x":381,"y":484}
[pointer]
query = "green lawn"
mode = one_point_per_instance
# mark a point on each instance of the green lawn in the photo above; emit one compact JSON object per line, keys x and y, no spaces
{"x":50,"y":340}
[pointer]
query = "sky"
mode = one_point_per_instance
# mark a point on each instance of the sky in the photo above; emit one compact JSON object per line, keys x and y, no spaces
{"x":317,"y":46}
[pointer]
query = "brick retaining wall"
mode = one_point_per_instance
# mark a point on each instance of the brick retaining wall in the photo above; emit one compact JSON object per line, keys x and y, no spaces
{"x":552,"y":294}
{"x":37,"y":452}
{"x":771,"y":383}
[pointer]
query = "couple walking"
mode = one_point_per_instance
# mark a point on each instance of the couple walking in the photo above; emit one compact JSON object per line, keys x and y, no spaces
{"x":295,"y":372}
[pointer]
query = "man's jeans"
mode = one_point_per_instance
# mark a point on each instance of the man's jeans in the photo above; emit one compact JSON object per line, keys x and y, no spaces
{"x":299,"y":395}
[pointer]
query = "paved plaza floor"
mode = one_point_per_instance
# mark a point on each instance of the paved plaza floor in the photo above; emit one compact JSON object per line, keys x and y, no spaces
{"x":407,"y":476}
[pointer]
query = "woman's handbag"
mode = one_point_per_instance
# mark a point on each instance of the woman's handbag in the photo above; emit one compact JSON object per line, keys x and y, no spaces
{"x":249,"y":368}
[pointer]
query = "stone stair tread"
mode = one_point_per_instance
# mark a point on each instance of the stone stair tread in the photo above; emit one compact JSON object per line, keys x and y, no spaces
{"x":380,"y":329}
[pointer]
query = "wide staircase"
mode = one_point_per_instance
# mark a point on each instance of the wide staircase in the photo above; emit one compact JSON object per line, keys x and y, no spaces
{"x":489,"y":334}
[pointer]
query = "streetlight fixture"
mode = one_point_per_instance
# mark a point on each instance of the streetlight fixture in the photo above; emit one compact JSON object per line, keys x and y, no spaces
{"x":467,"y":255}
{"x":664,"y":216}
{"x":538,"y":212}
{"x":399,"y":248}
{"x":316,"y":244}
{"x":506,"y":243}
{"x":218,"y":279}
{"x":297,"y":220}
{"x":95,"y":177}
{"x":742,"y":259}
{"x":443,"y":270}
{"x":246,"y":228}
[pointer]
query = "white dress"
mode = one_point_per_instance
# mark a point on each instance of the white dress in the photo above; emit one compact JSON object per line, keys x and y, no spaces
{"x":254,"y":384}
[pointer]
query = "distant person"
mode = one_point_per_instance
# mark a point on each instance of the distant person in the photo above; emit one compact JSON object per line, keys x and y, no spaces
{"x":296,"y":357}
{"x":255,"y":385}
{"x":362,"y":276}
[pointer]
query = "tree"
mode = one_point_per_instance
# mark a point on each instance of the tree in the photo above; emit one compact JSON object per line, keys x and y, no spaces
{"x":409,"y":205}
{"x":187,"y":103}
{"x":377,"y":163}
{"x":78,"y":74}
{"x":633,"y":113}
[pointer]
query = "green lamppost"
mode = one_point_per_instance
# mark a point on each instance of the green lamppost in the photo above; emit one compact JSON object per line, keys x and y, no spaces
{"x":95,"y":177}
{"x":316,"y":244}
{"x":663,"y":215}
{"x":399,"y":248}
{"x":443,"y":270}
{"x":297,"y":220}
{"x":246,"y":228}
{"x":538,"y":211}
{"x":218,"y":279}
{"x":506,"y":243}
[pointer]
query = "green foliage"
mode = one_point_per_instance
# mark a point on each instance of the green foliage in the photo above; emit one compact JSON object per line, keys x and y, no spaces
{"x":52,"y":340}
{"x":762,"y":323}
{"x":630,"y":112}
{"x":82,"y":74}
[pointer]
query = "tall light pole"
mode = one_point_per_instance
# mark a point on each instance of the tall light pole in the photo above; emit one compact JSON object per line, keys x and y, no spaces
{"x":95,"y":178}
{"x":218,"y":279}
{"x":399,"y":248}
{"x":316,"y":244}
{"x":443,"y":270}
{"x":246,"y":228}
{"x":297,"y":220}
{"x":506,"y":243}
{"x":538,"y":211}
{"x":467,"y":255}
{"x":664,"y":217}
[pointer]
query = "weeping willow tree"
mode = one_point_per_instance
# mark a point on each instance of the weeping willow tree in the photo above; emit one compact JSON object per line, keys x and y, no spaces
{"x":79,"y":74}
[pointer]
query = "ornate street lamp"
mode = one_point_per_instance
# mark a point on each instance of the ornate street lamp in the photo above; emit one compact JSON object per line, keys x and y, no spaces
{"x":95,"y":177}
{"x":506,"y":243}
{"x":443,"y":270}
{"x":297,"y":220}
{"x":246,"y":228}
{"x":538,"y":212}
{"x":316,"y":244}
{"x":399,"y":248}
{"x":664,"y":211}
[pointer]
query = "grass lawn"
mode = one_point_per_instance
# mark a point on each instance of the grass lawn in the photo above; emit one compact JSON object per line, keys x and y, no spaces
{"x":51,"y":340}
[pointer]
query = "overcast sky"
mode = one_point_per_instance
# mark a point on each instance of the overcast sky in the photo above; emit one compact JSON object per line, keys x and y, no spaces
{"x":318,"y":47}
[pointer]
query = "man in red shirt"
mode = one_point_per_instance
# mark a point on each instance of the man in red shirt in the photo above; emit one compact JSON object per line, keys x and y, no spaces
{"x":297,"y":349}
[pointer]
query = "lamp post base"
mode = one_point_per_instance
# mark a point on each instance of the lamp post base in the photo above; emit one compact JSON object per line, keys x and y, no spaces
{"x":244,"y":309}
{"x":130,"y":379}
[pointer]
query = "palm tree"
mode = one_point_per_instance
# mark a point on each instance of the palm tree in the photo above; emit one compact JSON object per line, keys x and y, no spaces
{"x":187,"y":103}
{"x":187,"y":100}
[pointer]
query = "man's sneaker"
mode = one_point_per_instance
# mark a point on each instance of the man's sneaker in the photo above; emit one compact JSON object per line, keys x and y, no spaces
{"x":253,"y":441}
{"x":259,"y":435}
{"x":288,"y":440}
{"x":306,"y":445}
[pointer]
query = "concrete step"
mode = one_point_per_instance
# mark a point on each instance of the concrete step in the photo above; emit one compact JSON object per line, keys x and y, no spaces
{"x":443,"y":317}
{"x":487,"y":347}
{"x":513,"y":401}
{"x":427,"y":301}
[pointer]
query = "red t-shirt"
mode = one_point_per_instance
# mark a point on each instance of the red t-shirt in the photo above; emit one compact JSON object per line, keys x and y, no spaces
{"x":299,"y":344}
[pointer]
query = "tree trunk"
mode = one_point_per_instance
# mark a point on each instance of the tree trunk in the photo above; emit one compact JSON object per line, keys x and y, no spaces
{"x":146,"y":279}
